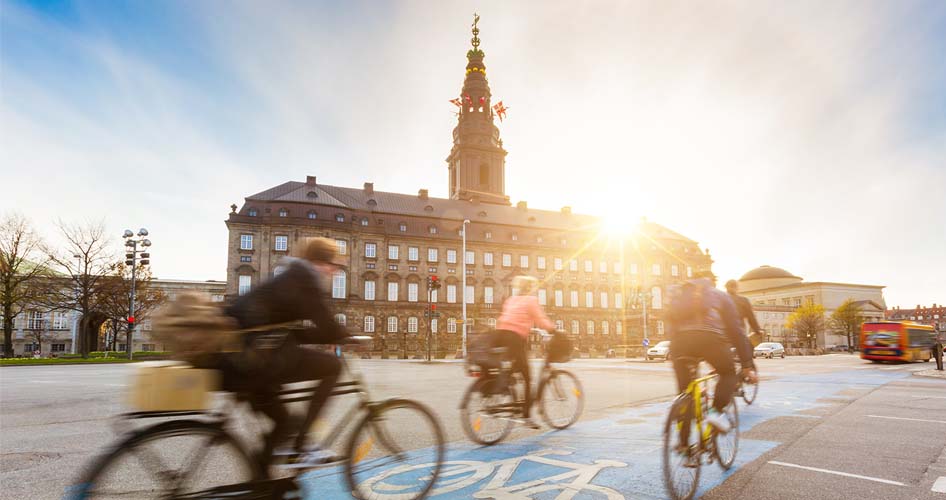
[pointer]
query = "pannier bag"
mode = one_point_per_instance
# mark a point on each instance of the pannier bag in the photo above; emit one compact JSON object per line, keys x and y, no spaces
{"x":559,"y":348}
{"x":478,"y":352}
{"x":191,"y":326}
{"x":172,"y":386}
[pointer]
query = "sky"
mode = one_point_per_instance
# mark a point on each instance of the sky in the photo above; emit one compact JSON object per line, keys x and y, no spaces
{"x":806,"y":135}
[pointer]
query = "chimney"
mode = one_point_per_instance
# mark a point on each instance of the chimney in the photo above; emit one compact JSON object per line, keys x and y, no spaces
{"x":567,"y":210}
{"x":422,"y":194}
{"x":310,"y":180}
{"x":522,"y":205}
{"x":369,"y":188}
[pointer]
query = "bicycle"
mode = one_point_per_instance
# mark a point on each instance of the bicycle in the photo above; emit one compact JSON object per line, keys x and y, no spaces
{"x":491,"y":404}
{"x":682,"y":460}
{"x":382,"y":422}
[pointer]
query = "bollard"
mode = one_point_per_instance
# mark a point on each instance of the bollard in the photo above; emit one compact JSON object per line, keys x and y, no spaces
{"x":938,"y":353}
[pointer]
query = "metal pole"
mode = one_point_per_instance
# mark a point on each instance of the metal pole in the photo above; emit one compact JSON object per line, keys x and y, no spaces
{"x":429,"y":319}
{"x":131,"y":304}
{"x":463,"y":232}
{"x":644,"y":302}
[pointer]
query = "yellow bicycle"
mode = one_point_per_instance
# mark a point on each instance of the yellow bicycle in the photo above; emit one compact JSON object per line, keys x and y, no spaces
{"x":681,"y":458}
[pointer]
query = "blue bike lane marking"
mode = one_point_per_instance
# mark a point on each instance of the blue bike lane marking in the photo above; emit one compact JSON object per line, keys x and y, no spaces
{"x":614,"y":458}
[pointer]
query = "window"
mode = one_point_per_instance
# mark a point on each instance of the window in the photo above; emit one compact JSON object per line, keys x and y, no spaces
{"x":674,"y":270}
{"x":246,"y":242}
{"x":487,"y":294}
{"x":369,"y":324}
{"x":633,"y":268}
{"x":393,"y":251}
{"x":524,"y":261}
{"x":433,"y":325}
{"x":369,"y":290}
{"x":412,"y":292}
{"x":402,"y":227}
{"x":36,"y":320}
{"x":605,"y":328}
{"x":564,"y":243}
{"x":339,"y":284}
{"x":540,"y":262}
{"x":432,"y":255}
{"x":590,"y":327}
{"x":246,"y":258}
{"x":364,"y":221}
{"x":413,"y":254}
{"x":618,"y":300}
{"x":451,"y":256}
{"x":487,"y":258}
{"x":689,"y":272}
{"x":589,"y":266}
{"x":342,"y":247}
{"x":62,"y":347}
{"x":470,"y":257}
{"x":147,"y":347}
{"x":451,"y":325}
{"x":660,"y":328}
{"x":392,"y":324}
{"x":507,"y":260}
{"x":573,"y":298}
{"x":488,"y":235}
{"x":412,"y":324}
{"x":655,"y":269}
{"x":618,"y":268}
{"x":603,"y":267}
{"x":491,"y":322}
{"x":59,"y":320}
{"x":244,"y":284}
{"x":341,"y":319}
{"x":392,"y":291}
{"x":559,"y":298}
{"x":538,"y":239}
{"x":451,"y":294}
{"x":312,"y":214}
{"x":371,"y":250}
{"x":282,"y":243}
{"x":589,"y":298}
{"x":575,"y":327}
{"x":604,"y":300}
{"x":557,"y":263}
{"x":433,"y":295}
{"x":470,"y":294}
{"x":252,"y":212}
{"x":573,"y":265}
{"x":655,"y":299}
{"x":543,"y":296}
{"x":283,"y":212}
{"x":515,"y":236}
{"x":339,"y":218}
{"x":618,"y":328}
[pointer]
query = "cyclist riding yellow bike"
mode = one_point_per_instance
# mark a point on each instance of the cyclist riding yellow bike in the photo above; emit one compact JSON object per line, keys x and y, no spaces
{"x":703,"y":324}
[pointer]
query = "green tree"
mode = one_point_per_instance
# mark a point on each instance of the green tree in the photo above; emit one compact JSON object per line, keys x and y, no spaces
{"x":806,"y":323}
{"x":847,"y":319}
{"x":22,"y":268}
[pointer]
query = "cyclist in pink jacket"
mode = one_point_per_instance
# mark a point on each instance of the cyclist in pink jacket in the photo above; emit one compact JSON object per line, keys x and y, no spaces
{"x":520,"y":313}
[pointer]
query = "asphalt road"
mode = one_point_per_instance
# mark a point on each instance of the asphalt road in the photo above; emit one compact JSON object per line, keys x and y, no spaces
{"x":822,"y":427}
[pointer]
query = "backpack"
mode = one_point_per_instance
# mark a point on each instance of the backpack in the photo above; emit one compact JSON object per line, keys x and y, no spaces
{"x":686,"y":304}
{"x":190,"y":326}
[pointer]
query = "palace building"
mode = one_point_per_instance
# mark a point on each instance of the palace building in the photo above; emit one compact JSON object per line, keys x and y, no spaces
{"x":593,"y":285}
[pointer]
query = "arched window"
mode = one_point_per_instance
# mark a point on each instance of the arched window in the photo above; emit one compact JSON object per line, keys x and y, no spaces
{"x":559,"y":325}
{"x":491,"y":322}
{"x":339,"y":282}
{"x":656,"y":301}
{"x":341,"y":319}
{"x":484,"y":174}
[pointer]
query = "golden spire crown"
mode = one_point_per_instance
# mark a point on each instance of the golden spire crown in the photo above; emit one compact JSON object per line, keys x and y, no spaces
{"x":475,"y":52}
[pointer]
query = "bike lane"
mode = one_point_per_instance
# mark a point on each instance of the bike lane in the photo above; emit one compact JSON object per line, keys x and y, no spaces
{"x":615,"y":458}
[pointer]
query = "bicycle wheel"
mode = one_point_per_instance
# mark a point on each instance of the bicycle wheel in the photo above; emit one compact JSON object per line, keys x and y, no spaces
{"x":561,"y":398}
{"x":726,"y":445}
{"x":179,"y":458}
{"x":396,"y":452}
{"x":681,"y":470}
{"x":486,"y":411}
{"x":749,"y":391}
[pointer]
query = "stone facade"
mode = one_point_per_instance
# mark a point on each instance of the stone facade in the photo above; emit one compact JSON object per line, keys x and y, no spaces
{"x":592,"y":284}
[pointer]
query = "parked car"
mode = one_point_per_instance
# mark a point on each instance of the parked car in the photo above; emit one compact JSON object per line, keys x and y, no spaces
{"x":769,"y":350}
{"x":659,"y":351}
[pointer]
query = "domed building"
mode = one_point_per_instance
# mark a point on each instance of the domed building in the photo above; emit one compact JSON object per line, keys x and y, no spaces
{"x":775,"y":293}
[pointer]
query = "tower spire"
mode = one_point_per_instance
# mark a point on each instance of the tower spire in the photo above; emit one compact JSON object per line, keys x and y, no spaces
{"x":477,"y":161}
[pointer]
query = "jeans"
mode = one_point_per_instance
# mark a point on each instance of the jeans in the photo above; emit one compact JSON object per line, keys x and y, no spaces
{"x":516,"y":345}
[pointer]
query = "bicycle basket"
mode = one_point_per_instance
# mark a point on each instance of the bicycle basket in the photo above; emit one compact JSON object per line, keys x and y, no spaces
{"x":559,"y":348}
{"x":478,"y":352}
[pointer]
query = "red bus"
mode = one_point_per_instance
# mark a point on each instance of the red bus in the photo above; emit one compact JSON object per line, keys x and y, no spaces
{"x":896,"y":341}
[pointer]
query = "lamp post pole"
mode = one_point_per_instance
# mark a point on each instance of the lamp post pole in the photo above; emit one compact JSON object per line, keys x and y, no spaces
{"x":466,"y":222}
{"x":131,"y":259}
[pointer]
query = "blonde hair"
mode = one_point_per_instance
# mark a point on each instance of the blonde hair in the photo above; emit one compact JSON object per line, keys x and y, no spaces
{"x":525,"y":284}
{"x":319,"y":250}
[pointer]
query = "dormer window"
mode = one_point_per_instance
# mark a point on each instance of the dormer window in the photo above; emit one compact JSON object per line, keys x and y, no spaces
{"x":428,"y":208}
{"x":402,"y":227}
{"x":482,"y":213}
{"x":312,"y":215}
{"x":339,"y":217}
{"x":312,"y":194}
{"x":284,"y":212}
{"x":372,"y":202}
{"x":252,"y":212}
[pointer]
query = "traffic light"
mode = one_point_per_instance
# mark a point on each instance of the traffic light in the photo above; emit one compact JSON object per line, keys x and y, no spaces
{"x":433,"y":282}
{"x":434,"y":313}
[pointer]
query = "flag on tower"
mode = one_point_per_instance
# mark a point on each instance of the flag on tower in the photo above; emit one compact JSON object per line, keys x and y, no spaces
{"x":456,"y":102}
{"x":500,"y":110}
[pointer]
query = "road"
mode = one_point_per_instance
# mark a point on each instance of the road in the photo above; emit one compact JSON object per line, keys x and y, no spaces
{"x":822,"y":427}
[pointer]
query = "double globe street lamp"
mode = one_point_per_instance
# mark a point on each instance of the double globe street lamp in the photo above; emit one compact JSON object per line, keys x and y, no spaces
{"x":133,"y":257}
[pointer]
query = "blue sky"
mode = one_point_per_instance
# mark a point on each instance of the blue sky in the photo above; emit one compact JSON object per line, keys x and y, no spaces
{"x":805,"y":135}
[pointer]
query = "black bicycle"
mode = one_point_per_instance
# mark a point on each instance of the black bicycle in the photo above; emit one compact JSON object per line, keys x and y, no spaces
{"x":196,"y":454}
{"x":494,"y":401}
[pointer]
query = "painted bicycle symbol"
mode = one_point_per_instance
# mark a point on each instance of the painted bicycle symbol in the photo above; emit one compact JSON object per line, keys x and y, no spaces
{"x":456,"y":475}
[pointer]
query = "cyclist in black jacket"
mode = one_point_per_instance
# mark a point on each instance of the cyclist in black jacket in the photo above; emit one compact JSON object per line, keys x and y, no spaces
{"x":744,"y":308}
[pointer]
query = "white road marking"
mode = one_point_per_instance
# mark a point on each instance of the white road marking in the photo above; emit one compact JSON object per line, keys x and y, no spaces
{"x":929,"y":397}
{"x":940,"y":485}
{"x":910,"y":419}
{"x":838,"y":473}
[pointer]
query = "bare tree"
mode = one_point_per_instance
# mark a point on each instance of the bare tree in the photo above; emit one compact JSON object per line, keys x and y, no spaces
{"x":22,"y":265}
{"x":116,"y":299}
{"x":85,"y":263}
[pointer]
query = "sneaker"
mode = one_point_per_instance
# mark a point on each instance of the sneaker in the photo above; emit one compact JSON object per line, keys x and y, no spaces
{"x":311,"y":457}
{"x":527,"y":422}
{"x":719,"y":421}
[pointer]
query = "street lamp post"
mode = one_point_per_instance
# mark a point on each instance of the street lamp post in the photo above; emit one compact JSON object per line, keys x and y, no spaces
{"x":76,"y":324}
{"x":131,"y":259}
{"x":466,"y":222}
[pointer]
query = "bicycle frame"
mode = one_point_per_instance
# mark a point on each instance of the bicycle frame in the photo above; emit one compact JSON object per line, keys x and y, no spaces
{"x":696,"y":391}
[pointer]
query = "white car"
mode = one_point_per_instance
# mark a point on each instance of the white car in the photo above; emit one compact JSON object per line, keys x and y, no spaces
{"x":769,"y":350}
{"x":659,"y":351}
